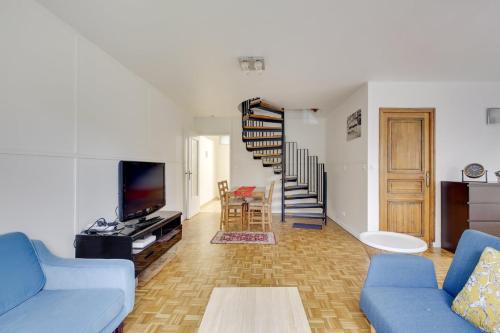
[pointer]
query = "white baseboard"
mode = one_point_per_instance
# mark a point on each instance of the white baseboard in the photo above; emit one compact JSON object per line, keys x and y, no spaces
{"x":345,"y":226}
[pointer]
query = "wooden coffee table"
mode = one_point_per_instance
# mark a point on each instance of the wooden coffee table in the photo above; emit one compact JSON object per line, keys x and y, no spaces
{"x":254,"y":310}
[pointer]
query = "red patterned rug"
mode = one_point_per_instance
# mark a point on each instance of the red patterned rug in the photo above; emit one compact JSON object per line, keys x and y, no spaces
{"x":244,"y":237}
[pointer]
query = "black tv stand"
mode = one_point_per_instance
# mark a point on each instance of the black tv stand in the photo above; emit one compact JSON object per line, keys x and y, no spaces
{"x":166,"y":227}
{"x":154,"y":219}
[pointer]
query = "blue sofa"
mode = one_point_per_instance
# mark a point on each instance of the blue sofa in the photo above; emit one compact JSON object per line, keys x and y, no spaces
{"x":401,"y":294}
{"x":42,"y":293}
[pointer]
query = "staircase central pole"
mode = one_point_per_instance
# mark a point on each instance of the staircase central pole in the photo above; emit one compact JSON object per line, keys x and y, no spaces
{"x":283,"y":168}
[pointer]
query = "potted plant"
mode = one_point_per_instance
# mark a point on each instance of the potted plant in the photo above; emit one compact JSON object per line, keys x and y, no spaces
{"x":497,"y":173}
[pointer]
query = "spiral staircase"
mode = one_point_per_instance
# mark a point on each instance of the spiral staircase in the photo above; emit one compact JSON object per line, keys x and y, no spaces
{"x":303,"y":177}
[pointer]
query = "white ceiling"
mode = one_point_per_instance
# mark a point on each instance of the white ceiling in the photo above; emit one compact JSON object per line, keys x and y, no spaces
{"x":317,"y":51}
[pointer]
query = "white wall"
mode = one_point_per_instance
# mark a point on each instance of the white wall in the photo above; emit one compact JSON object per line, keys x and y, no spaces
{"x":308,"y":129}
{"x":68,"y":113}
{"x":206,"y":169}
{"x":346,"y":165}
{"x":462,"y":135}
{"x":222,"y":162}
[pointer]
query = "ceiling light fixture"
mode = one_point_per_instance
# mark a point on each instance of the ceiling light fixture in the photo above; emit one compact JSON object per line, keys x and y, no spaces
{"x":259,"y":66}
{"x":245,"y":66}
{"x":252,"y":64}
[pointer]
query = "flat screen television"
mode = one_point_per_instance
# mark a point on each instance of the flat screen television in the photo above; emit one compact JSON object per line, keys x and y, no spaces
{"x":141,"y":189}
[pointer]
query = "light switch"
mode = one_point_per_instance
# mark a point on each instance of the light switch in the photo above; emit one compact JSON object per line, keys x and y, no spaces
{"x":493,"y":115}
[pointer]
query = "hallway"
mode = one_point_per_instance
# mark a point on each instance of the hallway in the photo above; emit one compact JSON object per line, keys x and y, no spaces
{"x":211,"y":207}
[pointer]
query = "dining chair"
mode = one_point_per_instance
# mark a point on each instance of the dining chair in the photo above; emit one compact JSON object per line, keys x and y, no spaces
{"x":260,"y":211}
{"x":231,"y":208}
{"x":223,"y":186}
{"x":226,"y":185}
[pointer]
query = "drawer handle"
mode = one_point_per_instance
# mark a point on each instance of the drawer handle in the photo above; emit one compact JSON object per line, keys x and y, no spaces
{"x":149,"y":255}
{"x":427,"y":179}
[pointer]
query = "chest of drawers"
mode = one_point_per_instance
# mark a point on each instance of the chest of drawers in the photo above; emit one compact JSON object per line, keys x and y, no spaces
{"x":468,"y":206}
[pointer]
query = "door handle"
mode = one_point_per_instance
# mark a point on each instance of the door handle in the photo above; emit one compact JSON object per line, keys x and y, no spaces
{"x":427,"y":179}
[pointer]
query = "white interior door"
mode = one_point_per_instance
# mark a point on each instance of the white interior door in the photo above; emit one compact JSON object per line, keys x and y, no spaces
{"x":192,"y":176}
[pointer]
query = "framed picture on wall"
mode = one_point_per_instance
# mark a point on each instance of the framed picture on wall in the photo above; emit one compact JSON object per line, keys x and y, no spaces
{"x":354,"y":125}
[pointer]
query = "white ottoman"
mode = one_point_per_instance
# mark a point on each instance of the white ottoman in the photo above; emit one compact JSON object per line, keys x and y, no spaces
{"x":377,"y":242}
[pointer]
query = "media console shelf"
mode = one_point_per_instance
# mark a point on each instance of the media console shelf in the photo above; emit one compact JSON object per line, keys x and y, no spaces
{"x":118,"y":245}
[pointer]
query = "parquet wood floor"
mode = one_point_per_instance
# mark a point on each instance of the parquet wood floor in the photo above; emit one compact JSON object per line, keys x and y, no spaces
{"x":327,"y":266}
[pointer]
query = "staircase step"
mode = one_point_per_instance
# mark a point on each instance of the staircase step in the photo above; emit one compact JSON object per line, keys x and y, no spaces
{"x":303,"y":205}
{"x":260,"y":104}
{"x":291,"y":178}
{"x":307,"y":215}
{"x":262,"y":138}
{"x":296,"y":187}
{"x":272,"y":158}
{"x":261,"y":129}
{"x":266,"y":147}
{"x":270,"y":164}
{"x":301,"y":196}
{"x":264,"y":155}
{"x":259,"y":117}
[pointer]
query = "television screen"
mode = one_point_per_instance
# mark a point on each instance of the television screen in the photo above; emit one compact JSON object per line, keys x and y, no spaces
{"x":141,"y":189}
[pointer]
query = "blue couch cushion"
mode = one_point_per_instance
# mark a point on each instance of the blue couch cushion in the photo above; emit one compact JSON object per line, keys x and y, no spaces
{"x":21,"y":276}
{"x":412,"y":310}
{"x":469,"y":249}
{"x":76,"y":311}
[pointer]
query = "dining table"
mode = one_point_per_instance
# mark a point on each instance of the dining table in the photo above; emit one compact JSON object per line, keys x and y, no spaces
{"x":246,"y":193}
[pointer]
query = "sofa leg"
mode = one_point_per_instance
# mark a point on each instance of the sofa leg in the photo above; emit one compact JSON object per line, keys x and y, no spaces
{"x":372,"y":329}
{"x":119,"y":329}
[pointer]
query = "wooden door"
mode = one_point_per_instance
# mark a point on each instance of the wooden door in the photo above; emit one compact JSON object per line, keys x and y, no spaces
{"x":407,"y":172}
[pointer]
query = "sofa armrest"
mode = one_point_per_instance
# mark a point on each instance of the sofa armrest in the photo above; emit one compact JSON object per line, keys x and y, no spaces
{"x":403,"y":271}
{"x":64,"y":273}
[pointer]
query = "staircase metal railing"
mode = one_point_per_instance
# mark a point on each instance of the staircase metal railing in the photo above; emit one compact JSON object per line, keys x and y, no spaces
{"x":283,"y":168}
{"x":305,"y":169}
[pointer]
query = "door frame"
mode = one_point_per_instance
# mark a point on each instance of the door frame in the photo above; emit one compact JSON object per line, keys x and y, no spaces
{"x":432,"y":160}
{"x":187,"y":175}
